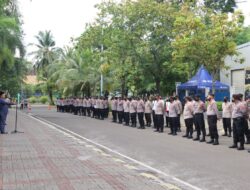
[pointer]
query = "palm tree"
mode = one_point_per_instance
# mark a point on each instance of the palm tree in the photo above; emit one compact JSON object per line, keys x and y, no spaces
{"x":44,"y":56}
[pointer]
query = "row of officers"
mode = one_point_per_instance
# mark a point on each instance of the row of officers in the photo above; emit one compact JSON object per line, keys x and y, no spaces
{"x":153,"y":110}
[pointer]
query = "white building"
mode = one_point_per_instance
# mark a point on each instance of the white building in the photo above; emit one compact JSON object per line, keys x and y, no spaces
{"x":237,"y":73}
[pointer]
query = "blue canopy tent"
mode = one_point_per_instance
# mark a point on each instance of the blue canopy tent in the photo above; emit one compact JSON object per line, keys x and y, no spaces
{"x":199,"y":83}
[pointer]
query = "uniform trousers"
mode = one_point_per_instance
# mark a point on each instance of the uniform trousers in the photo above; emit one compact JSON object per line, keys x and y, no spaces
{"x":3,"y":117}
{"x":154,"y":119}
{"x":167,"y":121}
{"x":238,"y":130}
{"x":148,"y":119}
{"x":120,"y":116}
{"x":212,"y":124}
{"x":126,"y":118}
{"x":189,"y":122}
{"x":246,"y":130}
{"x":159,"y":122}
{"x":88,"y":111}
{"x":200,"y":124}
{"x":179,"y":121}
{"x":173,"y":124}
{"x":227,"y":125}
{"x":141,"y":119}
{"x":133,"y":119}
{"x":114,"y":114}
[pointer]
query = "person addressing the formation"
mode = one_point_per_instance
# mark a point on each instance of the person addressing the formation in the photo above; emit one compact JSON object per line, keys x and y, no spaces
{"x":4,"y":107}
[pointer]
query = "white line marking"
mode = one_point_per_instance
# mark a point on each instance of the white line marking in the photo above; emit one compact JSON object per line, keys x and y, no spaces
{"x":59,"y":128}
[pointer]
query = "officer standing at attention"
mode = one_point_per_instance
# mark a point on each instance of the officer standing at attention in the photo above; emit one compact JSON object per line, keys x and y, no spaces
{"x":188,"y":115}
{"x":120,"y":109}
{"x":114,"y":108}
{"x":179,"y":106}
{"x":239,"y":111}
{"x":153,"y":111}
{"x":132,"y":111}
{"x":173,"y":115}
{"x":226,"y":117}
{"x":4,"y":109}
{"x":246,"y":127}
{"x":148,"y":112}
{"x":159,"y":112}
{"x":212,"y":117}
{"x":140,"y":112}
{"x":199,"y":109}
{"x":101,"y":108}
{"x":126,"y":111}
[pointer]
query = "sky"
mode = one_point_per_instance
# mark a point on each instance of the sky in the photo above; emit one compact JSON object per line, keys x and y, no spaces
{"x":67,"y":18}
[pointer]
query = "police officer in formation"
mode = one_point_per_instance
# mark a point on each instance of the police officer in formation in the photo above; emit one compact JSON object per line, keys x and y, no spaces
{"x":130,"y":110}
{"x":4,"y":107}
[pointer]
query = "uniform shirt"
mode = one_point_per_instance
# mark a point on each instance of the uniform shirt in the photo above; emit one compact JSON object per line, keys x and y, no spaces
{"x":88,"y":103}
{"x":126,"y":106}
{"x":106,"y":104}
{"x":101,"y":104}
{"x":188,"y":110}
{"x":179,"y":106}
{"x":97,"y":105}
{"x":159,"y":110}
{"x":173,"y":109}
{"x":154,"y":105}
{"x":84,"y":103}
{"x":140,"y":106}
{"x":75,"y":103}
{"x":226,"y":110}
{"x":239,"y":110}
{"x":120,"y":105}
{"x":133,"y":106}
{"x":212,"y":108}
{"x":199,"y":107}
{"x":114,"y":105}
{"x":148,"y":107}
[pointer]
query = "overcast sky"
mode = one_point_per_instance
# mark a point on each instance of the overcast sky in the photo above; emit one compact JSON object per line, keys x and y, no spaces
{"x":67,"y":18}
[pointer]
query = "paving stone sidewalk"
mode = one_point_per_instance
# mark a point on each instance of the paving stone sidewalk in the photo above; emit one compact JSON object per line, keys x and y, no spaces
{"x":45,"y":158}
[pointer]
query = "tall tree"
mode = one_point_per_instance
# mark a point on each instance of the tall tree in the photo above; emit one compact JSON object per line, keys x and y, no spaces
{"x":45,"y":54}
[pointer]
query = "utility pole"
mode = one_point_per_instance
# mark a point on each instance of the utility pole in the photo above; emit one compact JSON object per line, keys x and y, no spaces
{"x":102,"y":63}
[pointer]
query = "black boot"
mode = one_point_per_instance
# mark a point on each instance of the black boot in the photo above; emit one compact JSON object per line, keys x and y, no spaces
{"x":229,"y":135}
{"x":241,"y":146}
{"x":216,"y":142}
{"x":248,"y":141}
{"x":197,"y":138}
{"x":225,"y":134}
{"x":203,"y":139}
{"x":234,"y":146}
{"x":211,"y":141}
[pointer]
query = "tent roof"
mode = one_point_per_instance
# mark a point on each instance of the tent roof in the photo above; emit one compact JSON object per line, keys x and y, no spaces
{"x":202,"y":80}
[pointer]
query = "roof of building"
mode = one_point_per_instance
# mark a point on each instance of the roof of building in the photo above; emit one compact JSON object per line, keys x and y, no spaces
{"x":31,"y":79}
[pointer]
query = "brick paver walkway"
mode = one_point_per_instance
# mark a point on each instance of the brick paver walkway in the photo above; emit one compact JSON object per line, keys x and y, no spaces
{"x":45,"y":158}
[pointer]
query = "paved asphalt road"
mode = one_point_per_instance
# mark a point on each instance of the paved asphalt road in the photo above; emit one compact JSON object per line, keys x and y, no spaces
{"x":200,"y":164}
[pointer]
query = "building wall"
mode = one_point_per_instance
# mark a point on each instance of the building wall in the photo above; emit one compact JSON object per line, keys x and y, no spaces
{"x":235,"y":75}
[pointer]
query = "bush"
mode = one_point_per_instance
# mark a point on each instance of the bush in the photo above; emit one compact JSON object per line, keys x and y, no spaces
{"x":32,"y":100}
{"x":43,"y":99}
{"x":219,"y":106}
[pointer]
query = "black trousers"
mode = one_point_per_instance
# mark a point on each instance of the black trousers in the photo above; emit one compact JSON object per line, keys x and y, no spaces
{"x":120,"y":116}
{"x":179,"y":121}
{"x":148,"y":119}
{"x":212,"y":124}
{"x":84,"y":111}
{"x":141,"y":119}
{"x":101,"y":113}
{"x":154,"y":119}
{"x":238,"y":130}
{"x":159,"y":122}
{"x":88,"y":111}
{"x":133,"y":119}
{"x":114,"y":114}
{"x":227,"y":125}
{"x":126,"y":118}
{"x":106,"y":112}
{"x":167,"y":121}
{"x":246,"y":130}
{"x":189,"y":125}
{"x":173,"y":124}
{"x":200,"y":124}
